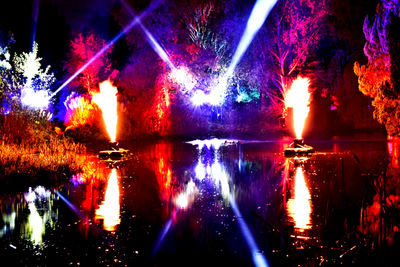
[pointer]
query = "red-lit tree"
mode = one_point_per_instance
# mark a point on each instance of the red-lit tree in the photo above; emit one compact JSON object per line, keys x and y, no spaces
{"x":82,"y":49}
{"x":379,"y":78}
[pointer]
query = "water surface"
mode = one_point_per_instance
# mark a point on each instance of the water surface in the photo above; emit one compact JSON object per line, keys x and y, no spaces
{"x":219,"y":202}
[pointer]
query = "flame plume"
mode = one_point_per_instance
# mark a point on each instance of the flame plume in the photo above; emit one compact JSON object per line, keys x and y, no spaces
{"x":298,"y":98}
{"x":107,"y":101}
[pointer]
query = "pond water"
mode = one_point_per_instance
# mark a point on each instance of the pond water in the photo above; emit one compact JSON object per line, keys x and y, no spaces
{"x":215,"y":202}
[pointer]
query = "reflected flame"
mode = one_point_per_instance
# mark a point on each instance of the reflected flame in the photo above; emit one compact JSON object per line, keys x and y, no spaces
{"x":109,"y":210}
{"x":299,"y":207}
{"x":298,"y":98}
{"x":107,"y":101}
{"x":393,"y":146}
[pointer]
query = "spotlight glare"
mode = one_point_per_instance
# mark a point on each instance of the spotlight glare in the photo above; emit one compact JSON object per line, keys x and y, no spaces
{"x":184,"y":78}
{"x":199,"y":98}
{"x":36,"y":99}
{"x":257,"y":18}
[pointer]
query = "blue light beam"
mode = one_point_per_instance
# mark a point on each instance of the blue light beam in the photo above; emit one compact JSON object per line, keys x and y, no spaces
{"x":258,"y":15}
{"x":123,"y":32}
{"x":79,"y":213}
{"x":217,"y":94}
{"x":150,"y":38}
{"x":258,"y":258}
{"x":35,"y":16}
{"x":163,"y":233}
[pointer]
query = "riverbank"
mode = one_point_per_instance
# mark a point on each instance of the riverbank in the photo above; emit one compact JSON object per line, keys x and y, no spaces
{"x":30,"y":150}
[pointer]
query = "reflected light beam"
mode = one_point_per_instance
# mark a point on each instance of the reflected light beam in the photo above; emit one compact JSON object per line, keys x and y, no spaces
{"x":258,"y":258}
{"x":123,"y":32}
{"x":83,"y":217}
{"x":164,"y":232}
{"x":80,"y":214}
{"x":221,"y":179}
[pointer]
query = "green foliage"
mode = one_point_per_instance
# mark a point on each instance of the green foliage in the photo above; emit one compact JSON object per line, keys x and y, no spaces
{"x":247,"y":95}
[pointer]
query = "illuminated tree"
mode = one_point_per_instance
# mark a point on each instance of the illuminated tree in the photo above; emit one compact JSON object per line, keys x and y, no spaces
{"x":296,"y":29}
{"x":30,"y":73}
{"x":379,"y":78}
{"x":23,"y":78}
{"x":82,"y":49}
{"x":7,"y":91}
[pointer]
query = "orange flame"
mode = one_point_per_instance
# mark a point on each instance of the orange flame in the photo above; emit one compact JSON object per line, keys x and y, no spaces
{"x":109,"y":210}
{"x":107,"y":101}
{"x":298,"y":98}
{"x":299,"y":207}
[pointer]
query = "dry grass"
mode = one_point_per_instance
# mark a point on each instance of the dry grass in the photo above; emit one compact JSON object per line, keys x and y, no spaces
{"x":29,"y":146}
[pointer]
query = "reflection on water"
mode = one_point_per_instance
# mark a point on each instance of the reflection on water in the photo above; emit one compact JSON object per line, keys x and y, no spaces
{"x":187,"y":196}
{"x":299,"y":206}
{"x":380,"y":219}
{"x":37,"y":204}
{"x":215,"y":202}
{"x":210,"y":169}
{"x":109,"y":209}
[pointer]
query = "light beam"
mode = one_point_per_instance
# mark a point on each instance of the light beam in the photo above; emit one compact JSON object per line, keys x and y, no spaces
{"x":257,"y":18}
{"x":35,"y":16}
{"x":123,"y":32}
{"x":180,"y":75}
{"x":152,"y":41}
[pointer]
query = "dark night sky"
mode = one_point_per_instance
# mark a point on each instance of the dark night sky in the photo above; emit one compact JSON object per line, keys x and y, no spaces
{"x":59,"y":20}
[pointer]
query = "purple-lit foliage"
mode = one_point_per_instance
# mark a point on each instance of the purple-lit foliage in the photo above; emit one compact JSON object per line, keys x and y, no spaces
{"x":296,"y":33}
